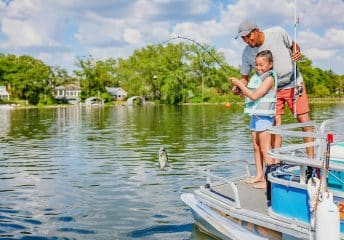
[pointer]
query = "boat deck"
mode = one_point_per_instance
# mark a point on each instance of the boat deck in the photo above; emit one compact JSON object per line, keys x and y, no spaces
{"x":257,"y":202}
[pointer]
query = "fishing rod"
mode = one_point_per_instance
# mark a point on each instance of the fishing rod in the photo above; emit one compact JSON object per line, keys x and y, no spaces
{"x":200,"y":45}
{"x":295,"y":65}
{"x":205,"y":49}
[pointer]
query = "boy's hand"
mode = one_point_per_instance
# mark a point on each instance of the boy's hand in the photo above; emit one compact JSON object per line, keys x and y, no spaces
{"x":235,"y":89}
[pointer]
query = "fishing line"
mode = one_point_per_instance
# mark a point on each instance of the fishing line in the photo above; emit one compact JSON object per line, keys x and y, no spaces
{"x":207,"y":51}
{"x":237,"y":102}
{"x":200,"y":45}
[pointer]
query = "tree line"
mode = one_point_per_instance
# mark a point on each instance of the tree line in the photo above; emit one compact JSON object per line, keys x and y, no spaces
{"x":170,"y":74}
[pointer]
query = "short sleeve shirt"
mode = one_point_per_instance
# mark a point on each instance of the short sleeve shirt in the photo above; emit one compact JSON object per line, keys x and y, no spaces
{"x":278,"y":42}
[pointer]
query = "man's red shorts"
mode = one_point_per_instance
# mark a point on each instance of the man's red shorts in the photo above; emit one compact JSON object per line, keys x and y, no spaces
{"x":286,"y":96}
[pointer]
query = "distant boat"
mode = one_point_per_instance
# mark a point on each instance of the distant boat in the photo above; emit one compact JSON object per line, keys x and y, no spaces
{"x":136,"y":100}
{"x":94,"y":101}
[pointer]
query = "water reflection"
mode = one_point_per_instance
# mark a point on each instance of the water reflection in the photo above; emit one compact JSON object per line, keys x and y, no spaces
{"x":92,"y":173}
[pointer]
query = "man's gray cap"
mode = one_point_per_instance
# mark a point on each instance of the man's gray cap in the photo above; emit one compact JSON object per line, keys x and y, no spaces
{"x":245,"y":28}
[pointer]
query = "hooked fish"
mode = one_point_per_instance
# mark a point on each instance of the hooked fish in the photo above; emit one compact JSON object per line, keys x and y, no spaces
{"x":163,"y":158}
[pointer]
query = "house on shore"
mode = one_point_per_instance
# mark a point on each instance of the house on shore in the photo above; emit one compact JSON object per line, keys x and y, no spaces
{"x":3,"y":93}
{"x":68,"y":93}
{"x":118,"y":94}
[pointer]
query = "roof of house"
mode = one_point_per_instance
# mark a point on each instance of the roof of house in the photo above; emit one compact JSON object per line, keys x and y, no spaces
{"x":116,"y":91}
{"x":69,"y":87}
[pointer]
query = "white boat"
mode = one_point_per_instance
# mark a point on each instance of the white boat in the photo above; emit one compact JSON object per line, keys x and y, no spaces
{"x":228,"y":208}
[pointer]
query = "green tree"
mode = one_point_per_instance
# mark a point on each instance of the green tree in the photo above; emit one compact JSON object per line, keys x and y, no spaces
{"x":173,"y":73}
{"x":321,"y":91}
{"x":25,"y":77}
{"x":95,"y":75}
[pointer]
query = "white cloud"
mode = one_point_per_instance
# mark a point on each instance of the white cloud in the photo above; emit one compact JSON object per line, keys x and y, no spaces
{"x":233,"y":57}
{"x":132,"y":36}
{"x":335,"y":37}
{"x":321,"y":13}
{"x":65,"y":60}
{"x":61,"y":29}
{"x":264,"y":13}
{"x":316,"y":53}
{"x":25,"y":34}
{"x":28,"y":24}
{"x":203,"y":32}
{"x":319,"y":48}
{"x":111,"y":52}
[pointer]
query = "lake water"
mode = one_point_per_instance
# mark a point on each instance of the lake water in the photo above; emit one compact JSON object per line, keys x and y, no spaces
{"x":81,"y":173}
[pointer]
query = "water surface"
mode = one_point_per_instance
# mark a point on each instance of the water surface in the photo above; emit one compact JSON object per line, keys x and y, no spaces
{"x":92,"y":173}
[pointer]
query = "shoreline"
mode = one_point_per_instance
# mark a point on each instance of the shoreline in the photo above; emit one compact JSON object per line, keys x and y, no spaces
{"x":312,"y":100}
{"x":326,"y":99}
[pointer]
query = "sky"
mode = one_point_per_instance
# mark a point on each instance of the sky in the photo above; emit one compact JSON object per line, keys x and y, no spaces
{"x":59,"y":31}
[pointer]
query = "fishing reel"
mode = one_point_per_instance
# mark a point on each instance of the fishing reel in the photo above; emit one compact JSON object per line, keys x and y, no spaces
{"x":299,"y":91}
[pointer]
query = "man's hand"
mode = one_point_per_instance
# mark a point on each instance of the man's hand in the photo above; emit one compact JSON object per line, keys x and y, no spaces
{"x":296,"y":52}
{"x":296,"y":56}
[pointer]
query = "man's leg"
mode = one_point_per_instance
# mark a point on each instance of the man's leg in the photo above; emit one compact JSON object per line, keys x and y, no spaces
{"x":305,"y":118}
{"x":302,"y":110}
{"x":275,"y":138}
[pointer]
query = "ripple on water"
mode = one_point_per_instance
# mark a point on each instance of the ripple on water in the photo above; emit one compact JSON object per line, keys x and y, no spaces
{"x":66,"y":219}
{"x":160,"y":229}
{"x":94,"y":175}
{"x":77,"y":230}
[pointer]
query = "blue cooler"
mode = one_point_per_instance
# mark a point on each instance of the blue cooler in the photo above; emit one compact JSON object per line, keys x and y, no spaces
{"x":289,"y":198}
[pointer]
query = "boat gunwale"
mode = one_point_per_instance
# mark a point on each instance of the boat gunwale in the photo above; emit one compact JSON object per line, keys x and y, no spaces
{"x":290,"y":227}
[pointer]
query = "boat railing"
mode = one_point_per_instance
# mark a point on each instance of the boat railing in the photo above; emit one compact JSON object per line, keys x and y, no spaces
{"x":295,"y":153}
{"x":230,"y":181}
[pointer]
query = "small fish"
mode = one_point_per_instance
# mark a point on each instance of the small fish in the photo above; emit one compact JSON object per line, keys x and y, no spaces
{"x":163,"y":158}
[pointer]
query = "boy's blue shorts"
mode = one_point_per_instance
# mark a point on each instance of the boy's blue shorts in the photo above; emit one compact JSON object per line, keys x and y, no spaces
{"x":261,"y":123}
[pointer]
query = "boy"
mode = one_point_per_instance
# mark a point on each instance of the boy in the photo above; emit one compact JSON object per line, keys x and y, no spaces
{"x":260,"y":96}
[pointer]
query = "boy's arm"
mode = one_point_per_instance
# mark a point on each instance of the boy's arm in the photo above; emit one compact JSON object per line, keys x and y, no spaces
{"x":236,"y":90}
{"x":259,"y":92}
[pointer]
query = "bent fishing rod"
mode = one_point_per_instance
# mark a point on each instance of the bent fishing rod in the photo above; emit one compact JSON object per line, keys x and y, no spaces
{"x":200,"y":45}
{"x":205,"y":49}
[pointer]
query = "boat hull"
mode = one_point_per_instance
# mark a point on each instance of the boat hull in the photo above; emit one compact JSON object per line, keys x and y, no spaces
{"x":221,"y":226}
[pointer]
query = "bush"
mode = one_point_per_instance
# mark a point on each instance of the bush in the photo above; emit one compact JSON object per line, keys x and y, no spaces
{"x":107,"y":97}
{"x":321,"y":91}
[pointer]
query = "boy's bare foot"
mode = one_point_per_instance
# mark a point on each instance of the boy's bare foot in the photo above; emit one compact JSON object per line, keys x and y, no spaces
{"x":252,"y":180}
{"x":260,"y":185}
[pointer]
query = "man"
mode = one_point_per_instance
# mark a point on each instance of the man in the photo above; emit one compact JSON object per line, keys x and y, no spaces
{"x":284,"y":52}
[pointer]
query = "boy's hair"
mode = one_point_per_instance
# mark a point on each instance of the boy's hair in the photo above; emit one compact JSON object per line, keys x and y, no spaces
{"x":267,"y":54}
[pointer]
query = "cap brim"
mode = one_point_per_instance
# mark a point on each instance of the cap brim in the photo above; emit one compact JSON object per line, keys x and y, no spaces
{"x":242,"y":34}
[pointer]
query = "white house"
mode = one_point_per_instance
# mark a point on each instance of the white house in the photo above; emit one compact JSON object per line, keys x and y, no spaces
{"x":70,"y":93}
{"x":3,"y":93}
{"x":116,"y":93}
